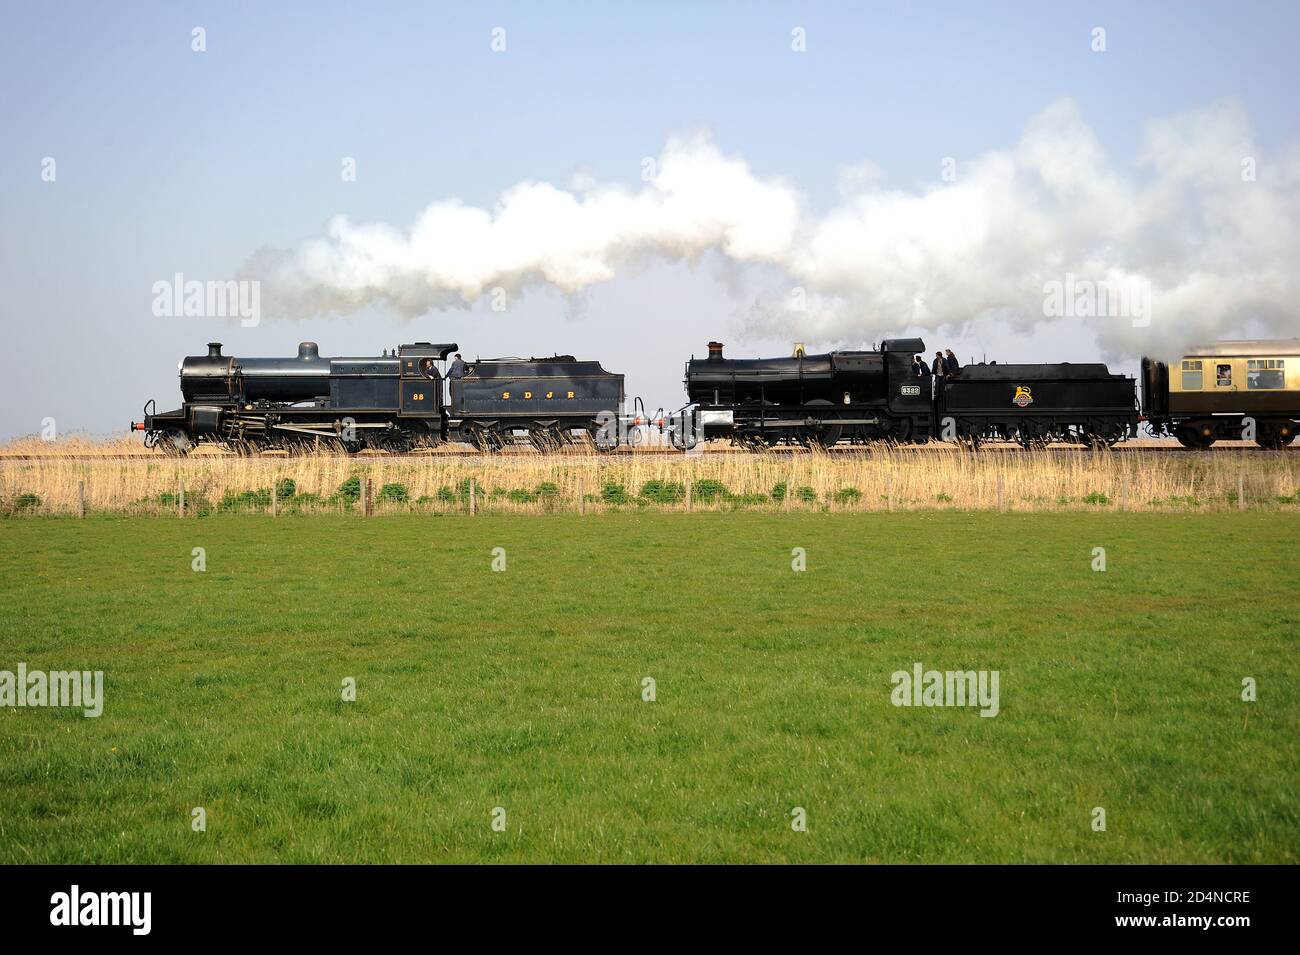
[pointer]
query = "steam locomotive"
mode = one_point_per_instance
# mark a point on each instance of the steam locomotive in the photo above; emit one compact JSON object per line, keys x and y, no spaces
{"x":861,"y":397}
{"x":393,"y":402}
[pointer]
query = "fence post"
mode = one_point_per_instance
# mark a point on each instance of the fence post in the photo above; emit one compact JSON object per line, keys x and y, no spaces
{"x":471,"y":496}
{"x":180,"y":498}
{"x":789,"y":492}
{"x":582,"y":499}
{"x":1241,"y":490}
{"x":370,"y":497}
{"x":81,"y":498}
{"x":1123,"y":490}
{"x":889,"y":491}
{"x":275,"y":492}
{"x":688,"y":493}
{"x":361,"y":493}
{"x":999,"y":491}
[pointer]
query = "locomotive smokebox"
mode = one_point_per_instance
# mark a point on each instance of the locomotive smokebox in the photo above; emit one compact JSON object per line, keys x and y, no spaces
{"x":715,"y":351}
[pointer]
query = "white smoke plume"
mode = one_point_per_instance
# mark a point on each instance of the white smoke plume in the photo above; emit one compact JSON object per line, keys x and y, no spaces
{"x":1204,"y":222}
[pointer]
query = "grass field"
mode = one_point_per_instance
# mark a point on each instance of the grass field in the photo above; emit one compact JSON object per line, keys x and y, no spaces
{"x":522,"y":689}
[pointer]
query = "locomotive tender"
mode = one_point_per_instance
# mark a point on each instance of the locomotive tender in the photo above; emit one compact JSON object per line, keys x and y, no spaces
{"x":393,"y":402}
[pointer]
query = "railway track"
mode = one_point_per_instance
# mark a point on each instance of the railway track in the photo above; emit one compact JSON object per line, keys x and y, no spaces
{"x":919,"y":451}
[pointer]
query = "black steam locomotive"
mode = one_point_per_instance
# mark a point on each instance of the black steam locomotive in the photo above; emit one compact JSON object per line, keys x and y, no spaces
{"x":394,"y":402}
{"x":867,"y":396}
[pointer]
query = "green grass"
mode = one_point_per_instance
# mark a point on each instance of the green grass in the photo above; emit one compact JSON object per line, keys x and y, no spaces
{"x":522,"y":689}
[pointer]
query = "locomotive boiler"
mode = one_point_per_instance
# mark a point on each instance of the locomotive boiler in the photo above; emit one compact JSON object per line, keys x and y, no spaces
{"x":852,"y":396}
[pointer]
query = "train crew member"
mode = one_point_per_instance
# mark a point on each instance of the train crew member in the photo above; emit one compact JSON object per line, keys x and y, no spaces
{"x":920,"y":368}
{"x":937,"y":369}
{"x":457,"y":369}
{"x":950,"y":365}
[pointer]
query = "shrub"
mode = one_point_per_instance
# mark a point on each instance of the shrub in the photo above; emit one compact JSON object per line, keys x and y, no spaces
{"x":807,"y":494}
{"x":285,"y":488}
{"x":1096,"y":497}
{"x":847,"y":495}
{"x":709,"y":490}
{"x":395,"y":493}
{"x":245,"y":500}
{"x":350,"y":490}
{"x":614,"y":493}
{"x":663,"y":492}
{"x":447,"y":495}
{"x":520,"y":495}
{"x":547,"y":490}
{"x":27,"y":502}
{"x":778,"y":492}
{"x":943,"y":497}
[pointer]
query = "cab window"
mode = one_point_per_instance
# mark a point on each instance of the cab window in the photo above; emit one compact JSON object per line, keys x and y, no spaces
{"x":1223,"y":376}
{"x":1265,"y":373}
{"x":1192,"y":376}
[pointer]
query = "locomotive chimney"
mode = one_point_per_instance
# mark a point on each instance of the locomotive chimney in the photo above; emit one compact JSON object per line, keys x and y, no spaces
{"x":308,"y":351}
{"x":214,"y":349}
{"x":715,"y":351}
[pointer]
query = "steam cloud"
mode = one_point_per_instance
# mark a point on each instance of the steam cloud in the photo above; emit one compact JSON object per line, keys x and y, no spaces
{"x":1216,"y":247}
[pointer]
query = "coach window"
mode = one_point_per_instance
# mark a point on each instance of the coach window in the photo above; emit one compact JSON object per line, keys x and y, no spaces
{"x":1223,"y":376}
{"x":1191,"y":376}
{"x":1265,"y":373}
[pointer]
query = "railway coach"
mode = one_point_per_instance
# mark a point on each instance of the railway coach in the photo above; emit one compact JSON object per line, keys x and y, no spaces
{"x":1230,"y":390}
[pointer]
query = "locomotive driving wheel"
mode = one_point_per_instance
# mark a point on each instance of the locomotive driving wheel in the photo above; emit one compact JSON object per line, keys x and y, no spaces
{"x":825,"y":434}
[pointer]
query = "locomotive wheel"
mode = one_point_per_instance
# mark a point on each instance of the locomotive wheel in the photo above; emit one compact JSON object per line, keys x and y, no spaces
{"x":825,"y":435}
{"x":1104,"y":439}
{"x":484,"y":439}
{"x":545,"y":438}
{"x":1031,"y":440}
{"x":395,"y":441}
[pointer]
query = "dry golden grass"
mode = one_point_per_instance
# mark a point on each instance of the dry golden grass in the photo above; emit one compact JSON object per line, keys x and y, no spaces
{"x":904,"y":479}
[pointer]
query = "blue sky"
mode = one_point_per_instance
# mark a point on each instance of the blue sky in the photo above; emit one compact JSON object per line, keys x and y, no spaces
{"x":174,"y":161}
